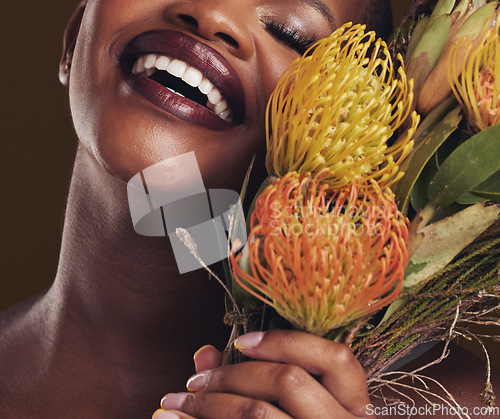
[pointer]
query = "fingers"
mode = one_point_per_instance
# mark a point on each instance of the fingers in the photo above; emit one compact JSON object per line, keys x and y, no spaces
{"x":164,"y":414}
{"x":295,"y":375}
{"x":334,"y":364}
{"x":207,"y":358}
{"x":291,"y":387}
{"x":220,"y":406}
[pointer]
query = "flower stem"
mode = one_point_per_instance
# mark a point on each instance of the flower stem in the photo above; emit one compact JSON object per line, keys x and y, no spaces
{"x":427,"y":214}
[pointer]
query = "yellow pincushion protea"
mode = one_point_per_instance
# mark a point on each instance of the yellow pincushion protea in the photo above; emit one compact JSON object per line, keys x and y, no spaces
{"x":476,"y":82}
{"x":336,"y":107}
{"x":323,"y":261}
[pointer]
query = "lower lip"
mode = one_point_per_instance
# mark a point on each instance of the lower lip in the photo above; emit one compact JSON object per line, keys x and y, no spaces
{"x":181,"y":107}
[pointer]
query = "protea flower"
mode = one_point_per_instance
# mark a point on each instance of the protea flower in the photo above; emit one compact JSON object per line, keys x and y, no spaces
{"x":323,"y":261}
{"x":476,"y":83}
{"x":336,"y":107}
{"x":432,"y":41}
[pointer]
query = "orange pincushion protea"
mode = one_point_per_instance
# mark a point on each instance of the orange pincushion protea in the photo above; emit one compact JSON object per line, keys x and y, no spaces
{"x":323,"y":261}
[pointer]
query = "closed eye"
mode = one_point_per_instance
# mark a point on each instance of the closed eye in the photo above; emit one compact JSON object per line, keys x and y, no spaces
{"x":288,"y":35}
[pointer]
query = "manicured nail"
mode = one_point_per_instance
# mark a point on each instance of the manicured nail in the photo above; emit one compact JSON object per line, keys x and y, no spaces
{"x":198,"y":382}
{"x":162,"y":414}
{"x":173,"y":401}
{"x":249,"y":341}
{"x":199,"y":351}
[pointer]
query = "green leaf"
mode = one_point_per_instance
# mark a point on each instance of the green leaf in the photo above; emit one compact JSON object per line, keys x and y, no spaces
{"x":470,"y":199}
{"x":414,"y":268}
{"x":472,"y":163}
{"x":443,"y":7}
{"x":461,"y":8}
{"x":238,"y":222}
{"x":493,"y":197}
{"x":490,"y":189}
{"x":426,"y":53}
{"x":414,"y":165}
{"x":417,"y":35}
{"x":243,"y":297}
{"x":432,"y":42}
{"x":476,"y":24}
{"x":419,"y":192}
{"x":267,"y":181}
{"x":449,"y":146}
{"x":445,"y":239}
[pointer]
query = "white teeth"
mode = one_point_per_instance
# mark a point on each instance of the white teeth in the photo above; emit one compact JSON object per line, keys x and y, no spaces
{"x":224,"y":114}
{"x":205,"y":87}
{"x":177,"y":93}
{"x":220,"y":107}
{"x":139,"y":66}
{"x":192,"y":77}
{"x":214,"y":97}
{"x":149,"y":61}
{"x":177,"y":68}
{"x":162,"y":63}
{"x":148,"y":64}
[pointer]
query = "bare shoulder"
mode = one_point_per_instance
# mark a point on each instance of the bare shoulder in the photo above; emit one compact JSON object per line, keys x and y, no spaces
{"x":15,"y":328}
{"x":20,"y":347}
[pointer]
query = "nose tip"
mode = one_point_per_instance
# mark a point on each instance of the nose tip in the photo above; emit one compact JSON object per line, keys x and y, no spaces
{"x":218,"y":21}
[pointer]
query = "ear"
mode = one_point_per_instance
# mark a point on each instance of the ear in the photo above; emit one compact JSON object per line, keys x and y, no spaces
{"x":69,"y":42}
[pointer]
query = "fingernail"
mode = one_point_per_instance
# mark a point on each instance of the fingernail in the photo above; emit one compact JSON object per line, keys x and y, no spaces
{"x":198,"y":382}
{"x":173,"y":401}
{"x":249,"y":341}
{"x":162,"y":414}
{"x":199,"y":351}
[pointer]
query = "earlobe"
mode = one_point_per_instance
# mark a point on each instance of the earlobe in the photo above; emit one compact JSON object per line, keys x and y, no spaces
{"x":69,"y":42}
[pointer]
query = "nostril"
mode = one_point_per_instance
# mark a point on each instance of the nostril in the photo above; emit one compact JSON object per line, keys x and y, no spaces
{"x":230,"y":40}
{"x":188,"y":19}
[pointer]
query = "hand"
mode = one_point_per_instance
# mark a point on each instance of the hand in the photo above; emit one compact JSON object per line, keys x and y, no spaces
{"x":295,"y":375}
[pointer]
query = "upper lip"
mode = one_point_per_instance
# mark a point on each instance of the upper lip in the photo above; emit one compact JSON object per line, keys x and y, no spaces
{"x":179,"y":45}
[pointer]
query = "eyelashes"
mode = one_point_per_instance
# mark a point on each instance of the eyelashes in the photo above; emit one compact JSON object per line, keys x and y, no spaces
{"x":289,"y":35}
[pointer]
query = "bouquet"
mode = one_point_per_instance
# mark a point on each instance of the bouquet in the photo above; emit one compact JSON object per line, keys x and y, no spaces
{"x":378,"y":225}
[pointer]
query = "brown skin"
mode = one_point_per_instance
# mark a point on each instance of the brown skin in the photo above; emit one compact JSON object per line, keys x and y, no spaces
{"x":118,"y":328}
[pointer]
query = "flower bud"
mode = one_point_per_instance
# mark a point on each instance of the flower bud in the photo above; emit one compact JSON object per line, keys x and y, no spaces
{"x":472,"y":26}
{"x":474,"y":77}
{"x":431,"y":43}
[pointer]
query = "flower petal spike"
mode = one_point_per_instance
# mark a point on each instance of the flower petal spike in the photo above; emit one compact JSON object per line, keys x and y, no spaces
{"x":475,"y":79}
{"x":336,"y":107}
{"x":323,"y":261}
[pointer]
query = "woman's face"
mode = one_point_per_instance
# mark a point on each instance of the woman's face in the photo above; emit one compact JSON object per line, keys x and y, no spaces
{"x":130,"y":121}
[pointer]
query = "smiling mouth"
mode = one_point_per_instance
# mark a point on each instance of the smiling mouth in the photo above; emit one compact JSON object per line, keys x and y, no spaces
{"x":184,"y":77}
{"x":183,"y":80}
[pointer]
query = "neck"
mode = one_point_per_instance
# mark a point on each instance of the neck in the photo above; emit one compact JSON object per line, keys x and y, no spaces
{"x":119,"y":296}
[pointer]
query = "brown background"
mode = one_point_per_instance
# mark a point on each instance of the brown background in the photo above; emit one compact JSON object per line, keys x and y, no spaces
{"x":37,"y":145}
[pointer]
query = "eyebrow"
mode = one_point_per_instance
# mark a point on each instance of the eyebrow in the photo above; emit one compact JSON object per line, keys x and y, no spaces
{"x":322,"y":8}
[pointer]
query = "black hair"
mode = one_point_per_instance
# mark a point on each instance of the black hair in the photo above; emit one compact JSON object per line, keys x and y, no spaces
{"x":378,"y":17}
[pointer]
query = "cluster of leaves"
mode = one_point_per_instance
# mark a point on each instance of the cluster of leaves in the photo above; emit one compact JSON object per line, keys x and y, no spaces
{"x":452,"y":182}
{"x":428,"y":314}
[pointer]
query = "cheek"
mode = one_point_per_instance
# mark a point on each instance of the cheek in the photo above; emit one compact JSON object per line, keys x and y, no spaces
{"x":122,"y":134}
{"x":273,"y":64}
